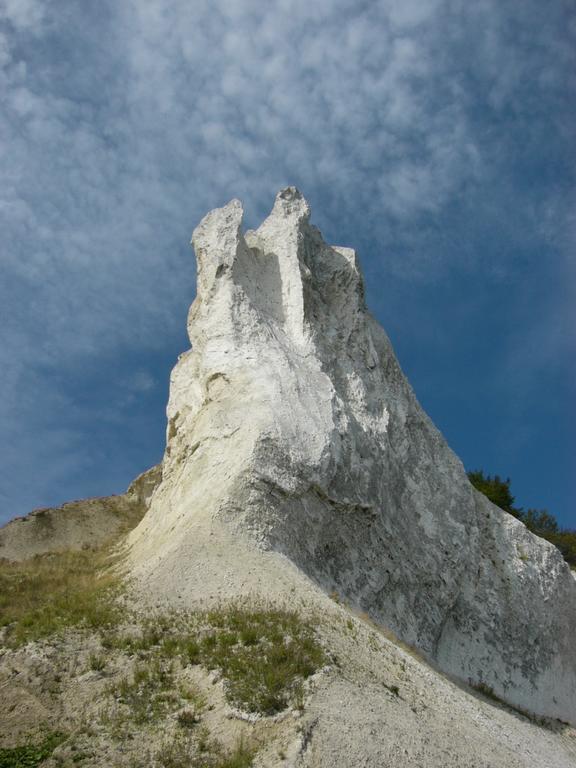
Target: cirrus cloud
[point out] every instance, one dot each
(431, 135)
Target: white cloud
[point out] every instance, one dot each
(119, 131)
(141, 381)
(23, 14)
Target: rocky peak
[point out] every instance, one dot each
(292, 428)
(281, 276)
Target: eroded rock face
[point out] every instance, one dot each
(291, 422)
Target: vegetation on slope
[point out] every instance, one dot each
(48, 593)
(539, 521)
(30, 755)
(263, 653)
(63, 609)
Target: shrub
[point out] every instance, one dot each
(496, 489)
(539, 521)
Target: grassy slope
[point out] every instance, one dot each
(262, 654)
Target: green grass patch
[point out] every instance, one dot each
(145, 696)
(97, 662)
(48, 593)
(30, 755)
(263, 654)
(201, 751)
(149, 692)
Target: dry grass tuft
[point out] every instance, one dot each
(48, 593)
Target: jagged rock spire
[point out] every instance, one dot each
(291, 427)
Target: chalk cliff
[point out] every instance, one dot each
(292, 428)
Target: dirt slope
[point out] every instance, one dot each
(78, 524)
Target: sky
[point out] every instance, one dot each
(436, 137)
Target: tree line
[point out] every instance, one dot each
(539, 521)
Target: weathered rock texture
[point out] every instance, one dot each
(78, 524)
(291, 422)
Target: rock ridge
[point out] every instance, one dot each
(78, 524)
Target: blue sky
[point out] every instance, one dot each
(436, 137)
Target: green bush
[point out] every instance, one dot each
(496, 489)
(539, 521)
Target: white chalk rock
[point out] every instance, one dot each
(291, 422)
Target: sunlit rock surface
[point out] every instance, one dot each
(291, 426)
